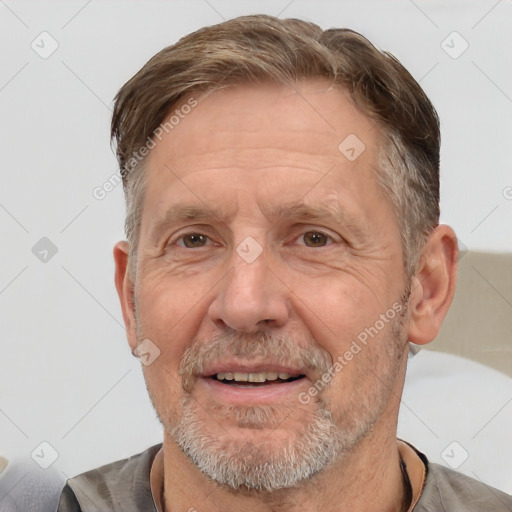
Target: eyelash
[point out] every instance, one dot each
(330, 239)
(192, 233)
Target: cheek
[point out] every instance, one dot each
(335, 311)
(349, 322)
(171, 320)
(165, 391)
(363, 377)
(170, 307)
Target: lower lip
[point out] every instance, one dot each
(262, 394)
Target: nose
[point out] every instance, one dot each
(250, 297)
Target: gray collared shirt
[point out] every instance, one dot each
(124, 486)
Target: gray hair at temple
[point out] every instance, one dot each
(261, 48)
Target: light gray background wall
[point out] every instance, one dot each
(67, 377)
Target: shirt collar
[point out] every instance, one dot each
(156, 480)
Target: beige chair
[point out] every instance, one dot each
(479, 323)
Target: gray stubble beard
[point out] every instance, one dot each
(264, 466)
(267, 466)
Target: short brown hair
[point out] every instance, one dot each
(260, 48)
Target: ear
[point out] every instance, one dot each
(125, 290)
(433, 285)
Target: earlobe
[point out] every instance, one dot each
(433, 286)
(125, 290)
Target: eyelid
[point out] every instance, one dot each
(202, 230)
(330, 238)
(302, 229)
(192, 233)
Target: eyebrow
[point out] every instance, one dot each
(291, 211)
(302, 211)
(186, 212)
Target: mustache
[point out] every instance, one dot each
(288, 350)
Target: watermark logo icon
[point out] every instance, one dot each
(44, 45)
(351, 147)
(454, 45)
(454, 455)
(249, 249)
(44, 250)
(44, 455)
(147, 352)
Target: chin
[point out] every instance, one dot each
(260, 449)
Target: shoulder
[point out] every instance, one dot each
(119, 486)
(447, 490)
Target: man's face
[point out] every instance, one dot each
(265, 254)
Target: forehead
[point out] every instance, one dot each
(274, 141)
(312, 117)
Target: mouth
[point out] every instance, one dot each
(244, 384)
(255, 379)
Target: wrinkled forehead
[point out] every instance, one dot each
(266, 124)
(253, 136)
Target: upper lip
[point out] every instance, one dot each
(250, 367)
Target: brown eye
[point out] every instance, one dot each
(193, 240)
(315, 239)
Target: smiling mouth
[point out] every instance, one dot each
(251, 380)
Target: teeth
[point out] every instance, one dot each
(253, 377)
(257, 377)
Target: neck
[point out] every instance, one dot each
(370, 478)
